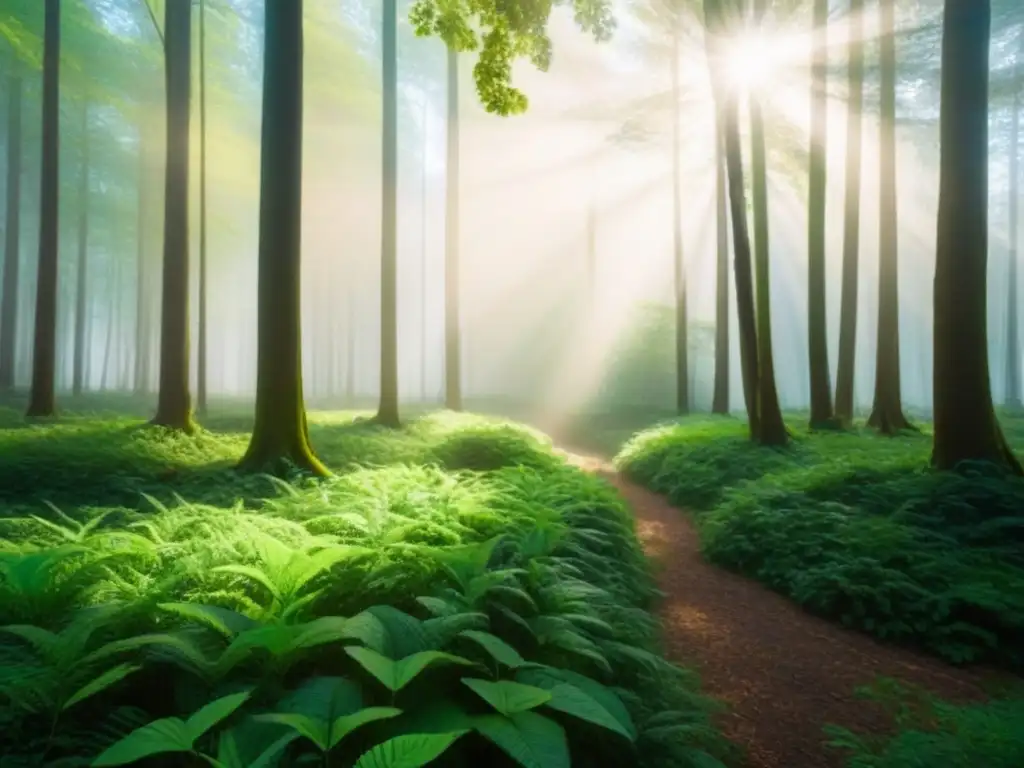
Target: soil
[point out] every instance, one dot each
(781, 673)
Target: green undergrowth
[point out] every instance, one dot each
(933, 733)
(454, 595)
(856, 527)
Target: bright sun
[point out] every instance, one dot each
(751, 63)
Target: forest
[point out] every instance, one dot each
(534, 384)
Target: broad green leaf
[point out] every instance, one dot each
(532, 740)
(208, 716)
(498, 649)
(395, 675)
(167, 735)
(251, 745)
(223, 620)
(508, 697)
(323, 698)
(101, 683)
(313, 729)
(549, 679)
(410, 751)
(345, 724)
(367, 629)
(571, 700)
(253, 573)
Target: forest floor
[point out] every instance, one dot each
(782, 673)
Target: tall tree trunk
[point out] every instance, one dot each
(682, 346)
(851, 219)
(720, 400)
(201, 367)
(423, 263)
(280, 433)
(142, 311)
(174, 407)
(773, 428)
(78, 373)
(887, 411)
(1013, 388)
(12, 236)
(44, 348)
(108, 344)
(965, 422)
(817, 319)
(452, 340)
(387, 411)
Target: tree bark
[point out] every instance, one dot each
(12, 236)
(201, 362)
(280, 433)
(452, 336)
(42, 402)
(887, 411)
(966, 428)
(81, 288)
(142, 309)
(1013, 387)
(423, 261)
(682, 344)
(174, 407)
(387, 410)
(851, 219)
(817, 318)
(720, 400)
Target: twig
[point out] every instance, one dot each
(156, 24)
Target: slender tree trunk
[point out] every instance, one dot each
(78, 373)
(44, 348)
(452, 340)
(142, 311)
(108, 344)
(1013, 388)
(965, 422)
(720, 400)
(201, 367)
(280, 433)
(12, 236)
(174, 407)
(817, 319)
(773, 428)
(423, 263)
(887, 411)
(387, 411)
(851, 219)
(682, 346)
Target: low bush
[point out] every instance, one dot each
(855, 527)
(455, 595)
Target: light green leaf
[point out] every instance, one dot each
(253, 573)
(508, 697)
(101, 683)
(167, 735)
(532, 740)
(410, 751)
(345, 724)
(251, 745)
(498, 649)
(223, 620)
(395, 675)
(208, 716)
(312, 728)
(571, 700)
(549, 679)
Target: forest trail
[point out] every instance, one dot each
(782, 673)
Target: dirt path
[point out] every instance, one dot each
(782, 673)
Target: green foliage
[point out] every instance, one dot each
(856, 527)
(504, 32)
(455, 593)
(935, 733)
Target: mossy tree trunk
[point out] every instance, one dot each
(280, 433)
(1013, 388)
(452, 328)
(387, 410)
(682, 344)
(12, 235)
(851, 219)
(817, 318)
(42, 401)
(887, 411)
(142, 307)
(773, 428)
(174, 406)
(81, 279)
(202, 352)
(720, 399)
(965, 422)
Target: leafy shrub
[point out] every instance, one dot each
(855, 527)
(395, 613)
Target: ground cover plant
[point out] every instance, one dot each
(455, 594)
